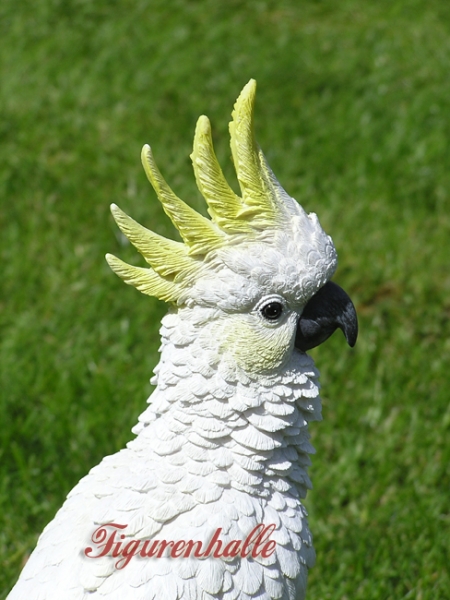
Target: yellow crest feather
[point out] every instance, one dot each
(199, 234)
(146, 281)
(256, 192)
(224, 206)
(262, 206)
(167, 257)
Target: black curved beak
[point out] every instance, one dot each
(327, 310)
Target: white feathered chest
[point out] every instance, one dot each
(211, 453)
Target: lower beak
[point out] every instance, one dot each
(327, 310)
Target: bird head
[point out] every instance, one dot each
(256, 275)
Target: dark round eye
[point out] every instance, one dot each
(272, 310)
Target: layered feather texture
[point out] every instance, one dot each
(213, 450)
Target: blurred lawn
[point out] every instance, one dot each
(353, 113)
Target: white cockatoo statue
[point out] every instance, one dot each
(206, 501)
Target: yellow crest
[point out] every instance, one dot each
(261, 207)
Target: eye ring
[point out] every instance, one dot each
(272, 311)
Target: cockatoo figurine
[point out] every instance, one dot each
(206, 501)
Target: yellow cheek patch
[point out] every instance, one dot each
(257, 348)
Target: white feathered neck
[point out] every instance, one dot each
(254, 430)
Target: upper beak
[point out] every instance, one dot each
(327, 310)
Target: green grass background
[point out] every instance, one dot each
(353, 113)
